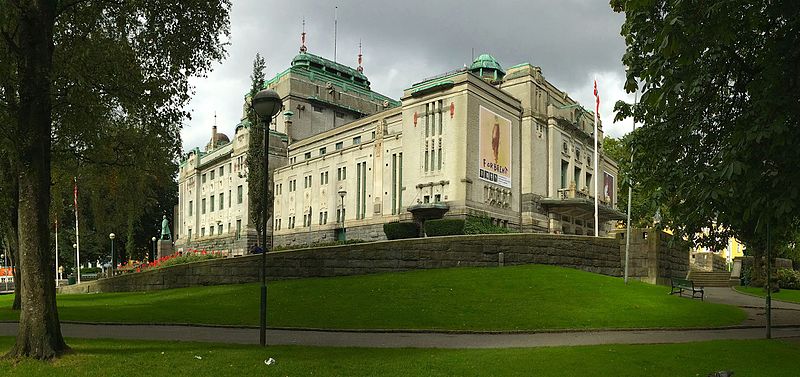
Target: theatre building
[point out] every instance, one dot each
(479, 141)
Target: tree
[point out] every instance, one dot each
(70, 70)
(642, 210)
(720, 114)
(255, 153)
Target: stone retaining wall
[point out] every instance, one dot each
(651, 261)
(598, 255)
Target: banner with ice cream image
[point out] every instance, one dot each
(494, 152)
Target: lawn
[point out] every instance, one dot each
(136, 358)
(531, 297)
(790, 295)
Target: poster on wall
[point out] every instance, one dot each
(608, 187)
(494, 152)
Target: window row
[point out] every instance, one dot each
(219, 205)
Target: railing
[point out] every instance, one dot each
(572, 193)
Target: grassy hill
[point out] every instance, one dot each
(532, 297)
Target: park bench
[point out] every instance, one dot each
(679, 285)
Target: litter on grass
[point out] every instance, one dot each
(269, 361)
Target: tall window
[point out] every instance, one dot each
(239, 194)
(564, 168)
(238, 229)
(191, 207)
(577, 178)
(221, 201)
(203, 208)
(361, 190)
(212, 203)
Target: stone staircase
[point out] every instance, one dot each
(710, 279)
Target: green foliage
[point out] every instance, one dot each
(398, 230)
(255, 152)
(483, 225)
(444, 227)
(720, 119)
(788, 278)
(642, 210)
(317, 244)
(188, 258)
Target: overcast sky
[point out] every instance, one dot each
(406, 41)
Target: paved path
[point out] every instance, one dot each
(401, 339)
(783, 313)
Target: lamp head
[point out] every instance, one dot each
(342, 193)
(112, 236)
(266, 103)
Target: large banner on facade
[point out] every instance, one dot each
(608, 187)
(494, 151)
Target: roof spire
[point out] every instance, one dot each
(303, 37)
(360, 68)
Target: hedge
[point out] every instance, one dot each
(444, 227)
(482, 225)
(396, 231)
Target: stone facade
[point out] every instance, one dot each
(707, 261)
(652, 257)
(599, 255)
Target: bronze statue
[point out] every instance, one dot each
(165, 233)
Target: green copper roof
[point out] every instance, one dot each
(315, 62)
(486, 61)
(316, 68)
(487, 67)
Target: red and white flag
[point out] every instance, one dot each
(597, 100)
(75, 192)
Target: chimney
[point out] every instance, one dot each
(213, 137)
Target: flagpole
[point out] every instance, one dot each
(596, 170)
(77, 234)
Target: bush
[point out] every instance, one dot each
(444, 227)
(788, 278)
(316, 244)
(482, 225)
(396, 231)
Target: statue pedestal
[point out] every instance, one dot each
(164, 248)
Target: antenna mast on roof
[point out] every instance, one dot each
(335, 10)
(303, 37)
(360, 68)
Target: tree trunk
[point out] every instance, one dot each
(39, 334)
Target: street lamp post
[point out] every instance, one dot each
(113, 259)
(265, 104)
(342, 193)
(154, 248)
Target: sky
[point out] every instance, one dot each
(404, 42)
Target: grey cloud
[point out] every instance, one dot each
(406, 41)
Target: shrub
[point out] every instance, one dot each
(482, 225)
(316, 244)
(444, 227)
(788, 278)
(397, 230)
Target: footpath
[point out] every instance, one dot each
(786, 318)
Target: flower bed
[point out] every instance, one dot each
(190, 256)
